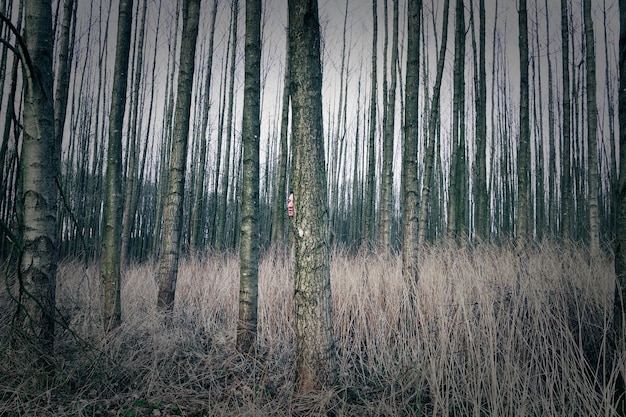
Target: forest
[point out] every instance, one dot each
(345, 207)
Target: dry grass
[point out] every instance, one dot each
(485, 332)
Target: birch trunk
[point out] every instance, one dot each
(173, 210)
(35, 315)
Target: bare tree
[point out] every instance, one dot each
(457, 191)
(250, 131)
(523, 158)
(410, 217)
(370, 184)
(223, 199)
(111, 308)
(386, 203)
(199, 206)
(132, 172)
(433, 122)
(481, 203)
(35, 314)
(173, 210)
(278, 224)
(65, 56)
(315, 356)
(567, 208)
(592, 128)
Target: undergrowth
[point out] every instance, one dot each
(486, 331)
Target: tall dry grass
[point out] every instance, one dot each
(486, 331)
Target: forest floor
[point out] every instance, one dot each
(486, 331)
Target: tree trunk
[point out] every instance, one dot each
(223, 199)
(166, 132)
(35, 313)
(567, 209)
(552, 173)
(315, 355)
(523, 158)
(370, 185)
(198, 232)
(356, 202)
(592, 128)
(386, 203)
(111, 309)
(173, 210)
(620, 218)
(433, 121)
(482, 217)
(250, 132)
(133, 131)
(457, 195)
(278, 224)
(65, 55)
(410, 219)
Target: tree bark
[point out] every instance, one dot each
(315, 355)
(65, 56)
(35, 315)
(131, 165)
(111, 309)
(482, 218)
(523, 158)
(173, 210)
(410, 218)
(386, 203)
(370, 184)
(552, 172)
(250, 132)
(592, 128)
(567, 209)
(457, 194)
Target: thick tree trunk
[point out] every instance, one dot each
(410, 218)
(250, 132)
(111, 309)
(173, 210)
(315, 355)
(35, 313)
